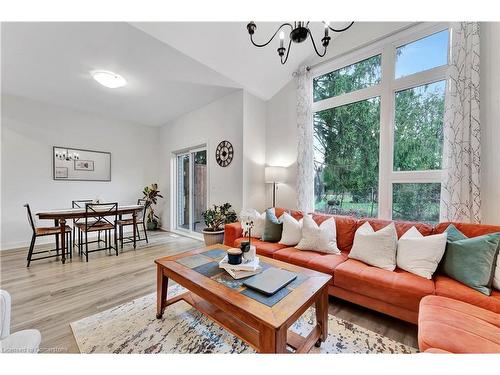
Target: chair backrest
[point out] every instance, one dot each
(144, 203)
(79, 203)
(31, 220)
(102, 213)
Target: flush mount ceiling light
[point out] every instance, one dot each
(108, 79)
(299, 32)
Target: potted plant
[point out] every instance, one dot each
(151, 195)
(215, 219)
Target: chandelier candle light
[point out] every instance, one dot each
(299, 32)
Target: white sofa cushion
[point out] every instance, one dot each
(420, 254)
(322, 238)
(375, 248)
(292, 230)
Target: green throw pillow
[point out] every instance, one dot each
(272, 227)
(471, 260)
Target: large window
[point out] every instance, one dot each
(378, 128)
(346, 149)
(356, 76)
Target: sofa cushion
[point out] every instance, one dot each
(401, 226)
(345, 227)
(318, 237)
(420, 254)
(314, 260)
(397, 287)
(471, 261)
(474, 230)
(263, 248)
(273, 227)
(376, 248)
(447, 287)
(457, 327)
(292, 230)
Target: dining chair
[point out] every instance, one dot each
(140, 220)
(46, 231)
(79, 203)
(99, 217)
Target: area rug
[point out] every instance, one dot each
(133, 328)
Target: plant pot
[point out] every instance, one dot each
(212, 238)
(152, 225)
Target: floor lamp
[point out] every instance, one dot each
(274, 175)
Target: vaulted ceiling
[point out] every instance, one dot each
(171, 67)
(50, 62)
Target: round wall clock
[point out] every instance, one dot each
(224, 153)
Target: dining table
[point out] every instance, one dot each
(61, 215)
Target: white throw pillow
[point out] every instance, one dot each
(258, 219)
(292, 230)
(375, 248)
(322, 238)
(496, 278)
(420, 254)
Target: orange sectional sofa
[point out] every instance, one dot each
(398, 293)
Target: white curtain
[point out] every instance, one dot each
(460, 189)
(305, 167)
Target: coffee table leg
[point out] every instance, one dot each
(161, 291)
(272, 340)
(322, 315)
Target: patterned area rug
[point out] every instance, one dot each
(133, 328)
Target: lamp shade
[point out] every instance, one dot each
(275, 174)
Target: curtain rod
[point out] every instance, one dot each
(309, 67)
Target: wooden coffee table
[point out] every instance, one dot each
(263, 322)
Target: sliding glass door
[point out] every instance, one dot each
(191, 189)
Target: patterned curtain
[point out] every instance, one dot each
(460, 189)
(305, 166)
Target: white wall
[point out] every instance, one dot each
(490, 121)
(281, 144)
(30, 129)
(211, 124)
(254, 152)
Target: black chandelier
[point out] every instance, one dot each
(299, 32)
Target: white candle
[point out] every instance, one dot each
(282, 38)
(327, 24)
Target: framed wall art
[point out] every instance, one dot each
(74, 164)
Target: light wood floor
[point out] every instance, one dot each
(49, 296)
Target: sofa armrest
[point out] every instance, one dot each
(231, 233)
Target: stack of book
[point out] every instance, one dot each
(242, 270)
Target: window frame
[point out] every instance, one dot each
(386, 90)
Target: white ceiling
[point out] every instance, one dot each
(226, 48)
(171, 67)
(50, 62)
